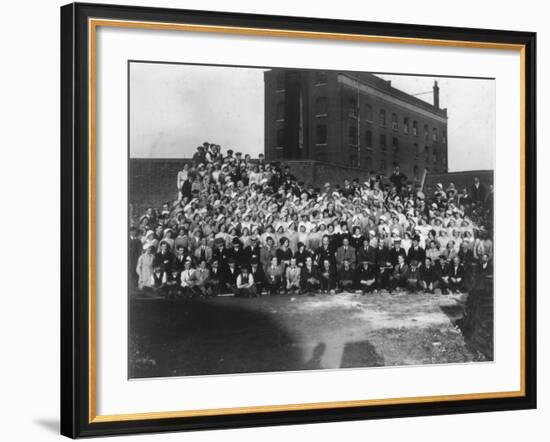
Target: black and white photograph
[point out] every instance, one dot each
(286, 219)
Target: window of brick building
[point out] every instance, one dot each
(434, 155)
(426, 132)
(321, 134)
(444, 138)
(427, 153)
(368, 139)
(434, 134)
(382, 142)
(416, 152)
(368, 112)
(383, 166)
(395, 145)
(321, 106)
(406, 125)
(415, 173)
(394, 123)
(415, 128)
(382, 117)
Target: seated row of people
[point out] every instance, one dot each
(277, 277)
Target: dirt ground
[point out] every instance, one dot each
(284, 332)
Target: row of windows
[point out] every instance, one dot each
(321, 109)
(321, 138)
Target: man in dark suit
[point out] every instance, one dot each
(345, 251)
(179, 259)
(216, 279)
(366, 253)
(164, 258)
(252, 252)
(456, 276)
(237, 253)
(398, 178)
(258, 275)
(398, 279)
(309, 276)
(478, 192)
(274, 276)
(346, 276)
(220, 254)
(396, 251)
(324, 252)
(428, 276)
(231, 275)
(416, 253)
(366, 277)
(443, 273)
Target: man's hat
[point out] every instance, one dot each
(414, 263)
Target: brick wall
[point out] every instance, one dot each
(152, 181)
(318, 172)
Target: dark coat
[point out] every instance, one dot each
(457, 272)
(163, 260)
(394, 253)
(367, 274)
(306, 273)
(428, 275)
(369, 254)
(322, 254)
(478, 194)
(419, 255)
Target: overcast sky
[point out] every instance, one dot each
(174, 108)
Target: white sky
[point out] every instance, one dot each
(174, 108)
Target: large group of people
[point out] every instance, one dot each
(248, 227)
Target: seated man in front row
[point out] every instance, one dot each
(202, 275)
(428, 276)
(292, 276)
(398, 279)
(309, 276)
(456, 276)
(258, 275)
(245, 283)
(366, 277)
(346, 276)
(273, 276)
(214, 282)
(413, 276)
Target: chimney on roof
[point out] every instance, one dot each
(436, 94)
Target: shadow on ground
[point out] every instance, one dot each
(201, 337)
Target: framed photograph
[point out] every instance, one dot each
(278, 220)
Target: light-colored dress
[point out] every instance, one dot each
(144, 269)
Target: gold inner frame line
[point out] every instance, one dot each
(93, 24)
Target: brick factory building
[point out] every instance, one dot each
(353, 119)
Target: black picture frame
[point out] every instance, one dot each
(75, 220)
